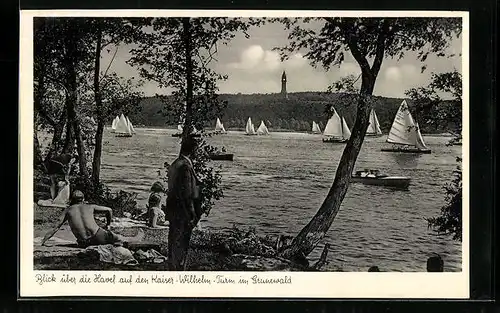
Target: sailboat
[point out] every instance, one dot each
(315, 128)
(219, 127)
(123, 128)
(336, 130)
(180, 128)
(262, 130)
(113, 124)
(374, 126)
(249, 128)
(132, 129)
(405, 134)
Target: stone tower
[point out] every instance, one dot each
(283, 85)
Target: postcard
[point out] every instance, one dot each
(229, 154)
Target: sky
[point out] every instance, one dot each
(253, 67)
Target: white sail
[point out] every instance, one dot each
(113, 124)
(249, 128)
(219, 127)
(132, 130)
(333, 127)
(315, 128)
(404, 130)
(346, 133)
(122, 126)
(262, 130)
(374, 126)
(420, 140)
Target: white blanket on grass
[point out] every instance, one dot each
(112, 254)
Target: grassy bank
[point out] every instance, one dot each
(228, 250)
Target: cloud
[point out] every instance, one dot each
(392, 73)
(348, 68)
(296, 61)
(255, 58)
(253, 67)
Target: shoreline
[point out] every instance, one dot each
(210, 249)
(279, 130)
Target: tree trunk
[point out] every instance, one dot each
(69, 141)
(305, 242)
(55, 145)
(58, 125)
(186, 25)
(37, 157)
(71, 98)
(96, 162)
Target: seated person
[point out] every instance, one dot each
(80, 217)
(58, 168)
(155, 214)
(371, 174)
(62, 198)
(435, 264)
(63, 194)
(158, 188)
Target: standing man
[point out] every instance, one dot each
(183, 192)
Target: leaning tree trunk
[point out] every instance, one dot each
(186, 25)
(307, 239)
(96, 162)
(305, 242)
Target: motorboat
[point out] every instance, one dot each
(373, 177)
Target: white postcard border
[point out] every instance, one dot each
(303, 285)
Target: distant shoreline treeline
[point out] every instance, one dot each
(295, 113)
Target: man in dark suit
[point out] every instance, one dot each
(182, 197)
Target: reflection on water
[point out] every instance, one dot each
(405, 160)
(277, 183)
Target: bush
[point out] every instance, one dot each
(209, 176)
(450, 220)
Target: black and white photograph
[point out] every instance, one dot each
(254, 143)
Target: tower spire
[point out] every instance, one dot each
(283, 85)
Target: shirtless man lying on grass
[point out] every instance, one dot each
(80, 217)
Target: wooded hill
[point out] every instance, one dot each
(295, 113)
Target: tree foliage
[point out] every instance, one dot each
(176, 53)
(70, 87)
(304, 107)
(449, 222)
(431, 108)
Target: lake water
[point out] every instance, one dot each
(277, 183)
